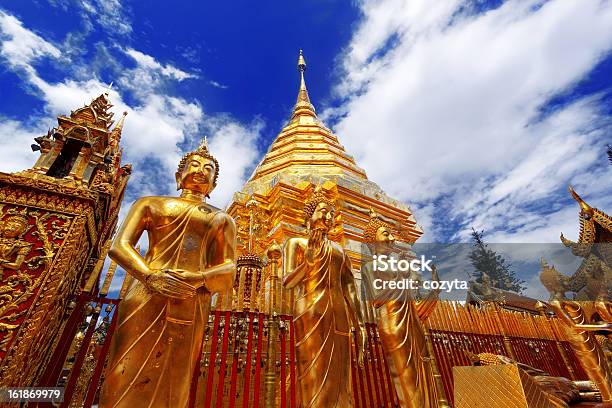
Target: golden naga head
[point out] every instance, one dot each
(14, 226)
(319, 211)
(378, 231)
(198, 170)
(553, 280)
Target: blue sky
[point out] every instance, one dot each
(474, 113)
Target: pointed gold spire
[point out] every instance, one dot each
(303, 105)
(116, 133)
(303, 93)
(305, 139)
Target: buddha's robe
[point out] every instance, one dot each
(158, 340)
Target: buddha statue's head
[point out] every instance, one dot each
(198, 171)
(13, 227)
(379, 233)
(319, 212)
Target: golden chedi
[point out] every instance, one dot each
(401, 332)
(326, 307)
(161, 323)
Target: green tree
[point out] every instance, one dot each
(485, 260)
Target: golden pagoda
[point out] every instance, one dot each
(306, 154)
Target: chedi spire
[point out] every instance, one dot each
(303, 105)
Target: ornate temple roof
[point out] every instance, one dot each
(595, 225)
(593, 278)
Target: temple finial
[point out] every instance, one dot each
(301, 62)
(116, 133)
(303, 95)
(108, 88)
(303, 104)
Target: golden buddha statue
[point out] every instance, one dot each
(401, 332)
(158, 341)
(13, 249)
(326, 308)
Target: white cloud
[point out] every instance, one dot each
(234, 146)
(20, 46)
(109, 14)
(15, 140)
(453, 107)
(156, 125)
(218, 85)
(148, 64)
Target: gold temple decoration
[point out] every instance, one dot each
(498, 386)
(161, 323)
(273, 289)
(559, 392)
(585, 345)
(13, 249)
(592, 284)
(55, 220)
(251, 227)
(593, 279)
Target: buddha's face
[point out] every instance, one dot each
(12, 228)
(383, 235)
(384, 239)
(197, 175)
(323, 217)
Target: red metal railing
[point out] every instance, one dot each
(235, 351)
(86, 337)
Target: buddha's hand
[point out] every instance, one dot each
(165, 284)
(195, 279)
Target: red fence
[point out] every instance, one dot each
(80, 356)
(248, 358)
(248, 353)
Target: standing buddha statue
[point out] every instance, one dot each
(400, 328)
(158, 341)
(326, 308)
